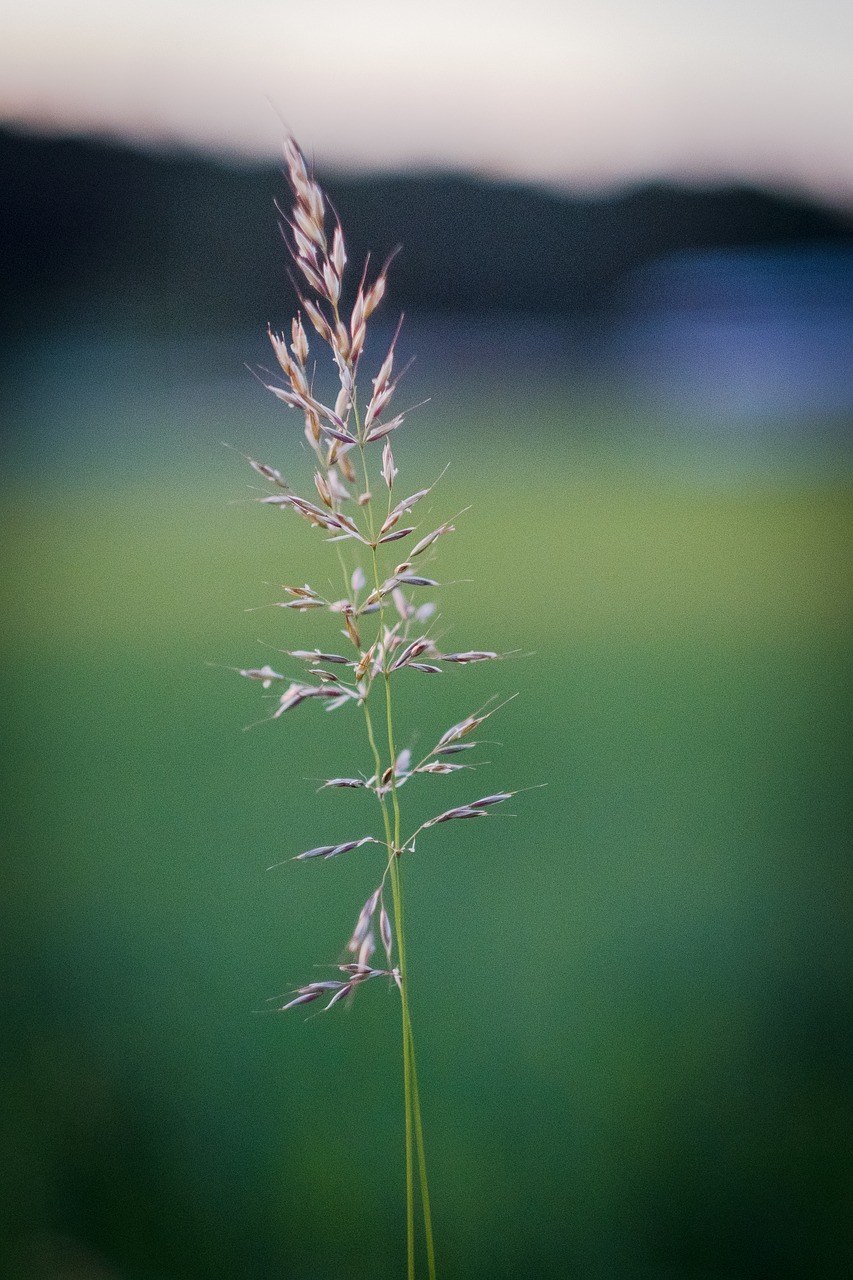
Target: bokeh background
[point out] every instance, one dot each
(627, 274)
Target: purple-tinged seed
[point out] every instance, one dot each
(389, 471)
(439, 766)
(303, 999)
(472, 655)
(463, 811)
(413, 650)
(408, 503)
(265, 674)
(350, 844)
(396, 535)
(384, 428)
(316, 655)
(269, 473)
(367, 948)
(340, 995)
(322, 851)
(459, 730)
(385, 931)
(430, 539)
(497, 798)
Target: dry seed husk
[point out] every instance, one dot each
(303, 999)
(269, 473)
(389, 470)
(367, 947)
(408, 503)
(411, 651)
(275, 500)
(385, 931)
(363, 923)
(430, 539)
(265, 674)
(292, 697)
(320, 852)
(383, 429)
(440, 766)
(460, 730)
(301, 606)
(471, 655)
(316, 655)
(340, 995)
(332, 850)
(461, 811)
(497, 798)
(396, 535)
(338, 490)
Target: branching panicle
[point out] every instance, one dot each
(382, 624)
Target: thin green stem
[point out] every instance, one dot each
(392, 839)
(416, 1104)
(374, 659)
(407, 1066)
(397, 890)
(422, 1172)
(413, 1120)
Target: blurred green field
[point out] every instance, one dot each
(630, 993)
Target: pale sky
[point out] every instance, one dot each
(578, 93)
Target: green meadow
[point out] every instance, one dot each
(628, 984)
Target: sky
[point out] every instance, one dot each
(573, 93)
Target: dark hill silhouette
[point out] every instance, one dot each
(135, 237)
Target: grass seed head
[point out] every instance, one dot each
(340, 435)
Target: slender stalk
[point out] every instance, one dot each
(397, 890)
(422, 1172)
(407, 1067)
(416, 1108)
(334, 435)
(393, 842)
(394, 872)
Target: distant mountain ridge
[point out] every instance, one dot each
(183, 240)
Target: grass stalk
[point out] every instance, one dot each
(400, 640)
(410, 1069)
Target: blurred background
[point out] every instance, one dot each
(627, 278)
